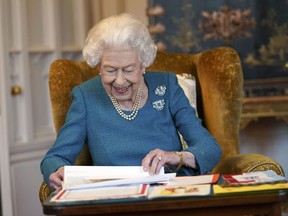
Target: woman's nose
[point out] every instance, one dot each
(120, 77)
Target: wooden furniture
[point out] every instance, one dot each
(266, 203)
(265, 98)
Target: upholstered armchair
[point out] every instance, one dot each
(219, 82)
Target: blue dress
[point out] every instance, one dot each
(114, 141)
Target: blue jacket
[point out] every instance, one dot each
(114, 141)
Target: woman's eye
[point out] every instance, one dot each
(128, 70)
(111, 71)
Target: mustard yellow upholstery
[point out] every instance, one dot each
(219, 81)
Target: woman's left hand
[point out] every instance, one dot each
(156, 159)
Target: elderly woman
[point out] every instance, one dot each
(127, 116)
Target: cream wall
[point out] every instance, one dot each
(267, 136)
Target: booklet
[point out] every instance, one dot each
(222, 190)
(116, 192)
(193, 180)
(177, 191)
(252, 178)
(82, 183)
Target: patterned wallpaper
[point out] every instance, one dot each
(257, 29)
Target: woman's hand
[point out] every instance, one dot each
(157, 158)
(56, 179)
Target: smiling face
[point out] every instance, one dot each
(121, 74)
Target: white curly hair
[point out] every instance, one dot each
(120, 30)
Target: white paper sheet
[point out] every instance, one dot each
(83, 177)
(163, 178)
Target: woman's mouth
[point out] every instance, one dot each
(121, 90)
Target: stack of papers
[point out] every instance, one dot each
(82, 183)
(252, 178)
(251, 182)
(84, 177)
(85, 183)
(218, 189)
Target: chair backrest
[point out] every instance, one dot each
(219, 82)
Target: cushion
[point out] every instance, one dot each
(188, 84)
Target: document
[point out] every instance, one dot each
(84, 183)
(101, 193)
(177, 191)
(252, 178)
(77, 175)
(87, 177)
(218, 189)
(194, 180)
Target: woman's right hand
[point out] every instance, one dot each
(56, 179)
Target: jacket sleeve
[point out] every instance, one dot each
(200, 142)
(70, 139)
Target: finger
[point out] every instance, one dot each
(55, 181)
(146, 162)
(57, 188)
(159, 157)
(60, 173)
(53, 185)
(160, 164)
(59, 176)
(156, 165)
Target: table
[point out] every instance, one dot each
(263, 203)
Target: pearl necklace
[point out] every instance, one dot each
(135, 107)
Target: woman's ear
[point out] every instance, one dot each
(143, 70)
(99, 68)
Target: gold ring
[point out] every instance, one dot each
(159, 157)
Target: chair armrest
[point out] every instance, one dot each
(244, 163)
(44, 192)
